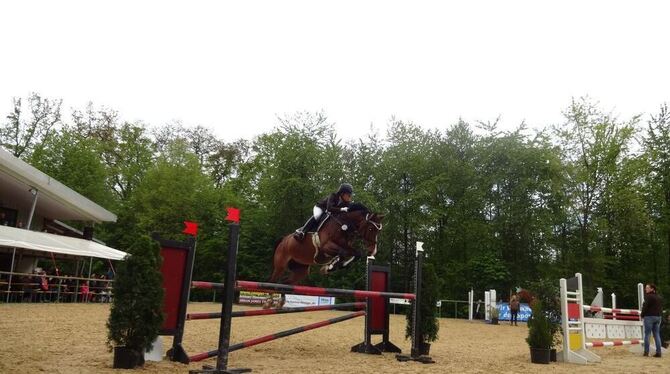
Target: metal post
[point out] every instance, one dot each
(32, 209)
(417, 333)
(368, 283)
(227, 302)
(11, 271)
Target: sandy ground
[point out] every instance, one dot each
(70, 338)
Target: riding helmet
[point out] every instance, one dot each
(345, 188)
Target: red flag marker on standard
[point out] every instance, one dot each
(233, 215)
(191, 228)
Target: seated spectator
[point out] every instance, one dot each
(43, 285)
(3, 219)
(84, 291)
(103, 290)
(110, 274)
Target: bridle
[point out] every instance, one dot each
(353, 229)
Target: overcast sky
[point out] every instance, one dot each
(235, 66)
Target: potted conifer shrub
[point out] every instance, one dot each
(547, 292)
(540, 339)
(427, 309)
(136, 313)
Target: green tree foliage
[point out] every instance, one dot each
(27, 125)
(74, 161)
(657, 145)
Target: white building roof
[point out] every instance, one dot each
(55, 200)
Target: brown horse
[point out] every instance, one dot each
(331, 244)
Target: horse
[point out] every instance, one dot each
(331, 246)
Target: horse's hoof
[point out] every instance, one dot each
(267, 304)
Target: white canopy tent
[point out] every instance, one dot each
(41, 241)
(31, 197)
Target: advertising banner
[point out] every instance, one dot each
(254, 298)
(294, 301)
(505, 315)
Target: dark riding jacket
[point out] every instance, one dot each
(652, 306)
(332, 203)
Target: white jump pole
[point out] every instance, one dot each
(471, 299)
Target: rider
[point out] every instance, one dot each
(336, 202)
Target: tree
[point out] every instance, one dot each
(593, 145)
(657, 150)
(23, 131)
(74, 161)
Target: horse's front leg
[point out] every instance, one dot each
(337, 252)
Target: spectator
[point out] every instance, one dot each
(652, 310)
(110, 274)
(43, 282)
(514, 307)
(84, 291)
(102, 286)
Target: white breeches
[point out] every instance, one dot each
(317, 212)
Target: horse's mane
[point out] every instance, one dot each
(355, 207)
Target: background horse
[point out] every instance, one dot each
(333, 242)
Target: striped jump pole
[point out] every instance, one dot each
(613, 343)
(313, 291)
(282, 334)
(610, 310)
(263, 312)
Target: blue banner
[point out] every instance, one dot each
(505, 315)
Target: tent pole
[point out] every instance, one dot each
(11, 272)
(32, 210)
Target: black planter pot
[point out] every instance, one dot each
(540, 355)
(126, 358)
(424, 349)
(552, 355)
(494, 321)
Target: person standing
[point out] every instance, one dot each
(514, 307)
(652, 310)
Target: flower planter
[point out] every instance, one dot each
(126, 358)
(540, 355)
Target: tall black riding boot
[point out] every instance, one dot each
(309, 225)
